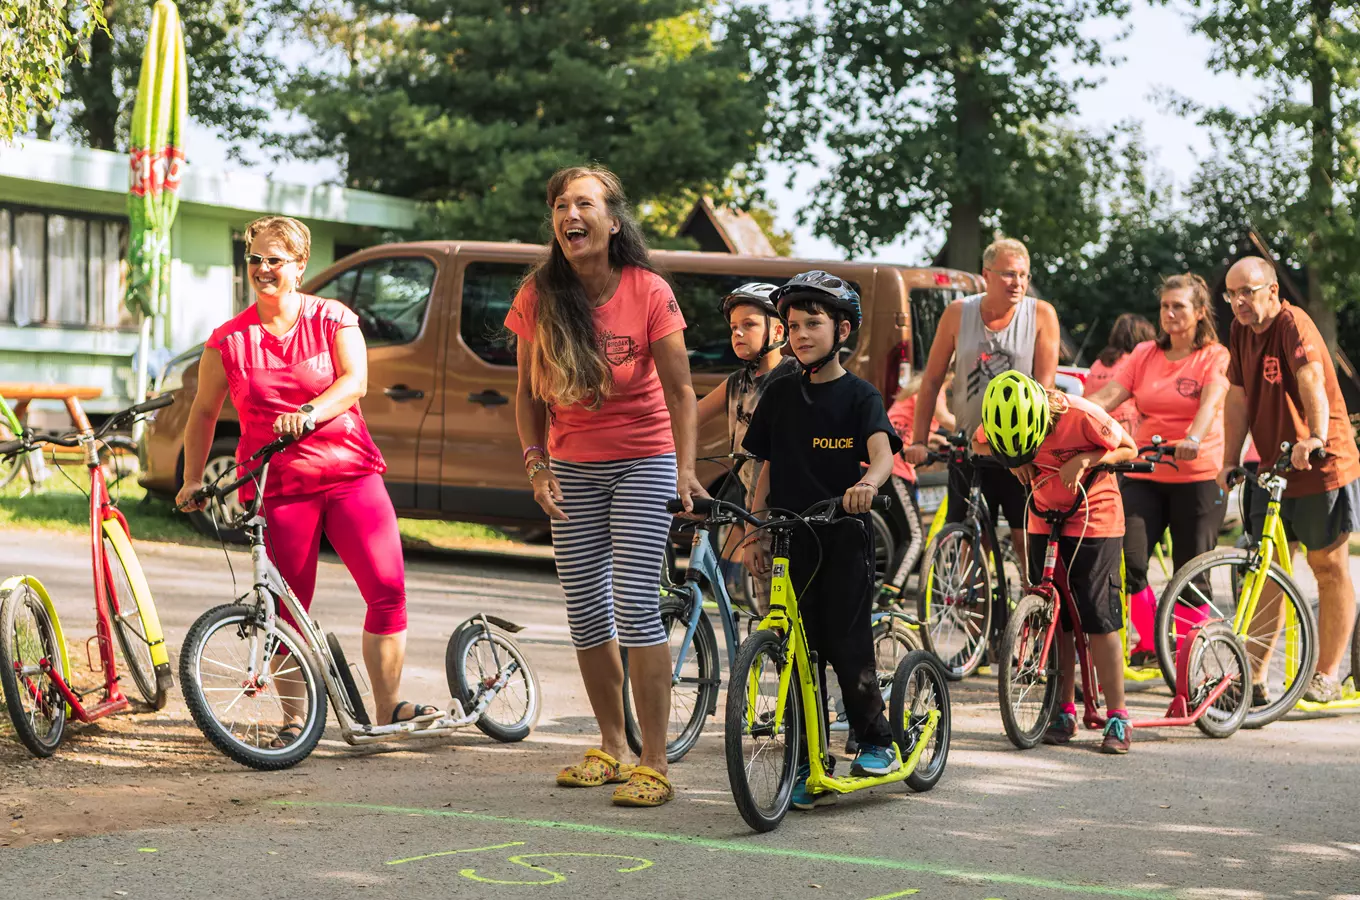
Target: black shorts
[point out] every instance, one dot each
(1093, 577)
(1318, 520)
(1003, 491)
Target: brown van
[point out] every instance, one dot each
(441, 376)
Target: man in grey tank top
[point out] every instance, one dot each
(999, 329)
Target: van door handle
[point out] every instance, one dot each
(401, 392)
(489, 398)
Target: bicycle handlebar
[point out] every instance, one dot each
(827, 510)
(262, 456)
(1283, 466)
(1059, 517)
(30, 440)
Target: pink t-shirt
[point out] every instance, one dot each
(1168, 395)
(269, 376)
(902, 416)
(1081, 426)
(1126, 413)
(633, 421)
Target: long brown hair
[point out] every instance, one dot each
(1205, 332)
(1129, 330)
(566, 365)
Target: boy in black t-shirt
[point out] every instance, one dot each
(815, 431)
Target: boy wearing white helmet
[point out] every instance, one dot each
(1049, 440)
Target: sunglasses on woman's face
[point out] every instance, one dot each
(273, 262)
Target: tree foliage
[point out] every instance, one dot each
(1306, 54)
(232, 62)
(38, 39)
(936, 115)
(471, 104)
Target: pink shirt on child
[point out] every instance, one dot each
(268, 376)
(633, 422)
(902, 415)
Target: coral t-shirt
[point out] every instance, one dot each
(901, 414)
(1126, 413)
(1082, 426)
(1265, 366)
(268, 376)
(632, 422)
(1168, 397)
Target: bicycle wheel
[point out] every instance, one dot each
(1028, 684)
(240, 709)
(474, 661)
(1218, 656)
(9, 465)
(694, 697)
(28, 636)
(762, 755)
(126, 615)
(894, 639)
(955, 600)
(1283, 653)
(919, 687)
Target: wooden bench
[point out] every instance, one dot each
(20, 395)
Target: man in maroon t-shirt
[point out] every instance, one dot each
(1283, 386)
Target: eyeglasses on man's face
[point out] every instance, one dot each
(1242, 295)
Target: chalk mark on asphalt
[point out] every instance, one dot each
(733, 846)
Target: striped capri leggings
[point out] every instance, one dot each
(610, 550)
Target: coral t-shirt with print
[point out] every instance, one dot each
(1168, 396)
(632, 422)
(902, 416)
(1082, 426)
(268, 376)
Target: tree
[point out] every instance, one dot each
(933, 114)
(1301, 48)
(37, 40)
(471, 104)
(232, 69)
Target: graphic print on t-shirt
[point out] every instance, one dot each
(1270, 368)
(1189, 387)
(619, 349)
(992, 360)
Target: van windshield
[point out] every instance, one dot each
(927, 305)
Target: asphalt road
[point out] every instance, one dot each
(141, 807)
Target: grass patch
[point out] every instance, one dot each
(64, 507)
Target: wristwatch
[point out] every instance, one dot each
(310, 412)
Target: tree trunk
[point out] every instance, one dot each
(1320, 171)
(966, 201)
(91, 85)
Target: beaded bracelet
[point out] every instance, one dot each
(535, 467)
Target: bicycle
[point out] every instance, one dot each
(966, 593)
(695, 676)
(1230, 583)
(34, 665)
(30, 463)
(1212, 688)
(768, 711)
(243, 653)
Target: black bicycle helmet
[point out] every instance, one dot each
(752, 293)
(823, 287)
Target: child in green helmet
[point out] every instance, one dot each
(1049, 440)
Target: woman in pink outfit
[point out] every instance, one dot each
(1129, 330)
(294, 363)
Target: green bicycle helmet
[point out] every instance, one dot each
(1015, 417)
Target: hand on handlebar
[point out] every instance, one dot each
(186, 501)
(1302, 453)
(1026, 474)
(1227, 477)
(916, 454)
(859, 499)
(1186, 451)
(1072, 471)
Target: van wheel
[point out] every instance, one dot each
(221, 459)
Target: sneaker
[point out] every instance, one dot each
(1260, 695)
(806, 799)
(1118, 735)
(1323, 689)
(1061, 730)
(874, 760)
(1142, 659)
(851, 745)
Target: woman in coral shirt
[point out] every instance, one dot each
(1129, 330)
(294, 363)
(1178, 382)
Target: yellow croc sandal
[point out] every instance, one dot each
(598, 768)
(646, 787)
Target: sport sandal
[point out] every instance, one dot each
(596, 769)
(645, 787)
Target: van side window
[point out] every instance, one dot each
(341, 287)
(927, 305)
(391, 299)
(488, 290)
(708, 338)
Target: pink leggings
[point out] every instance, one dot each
(358, 519)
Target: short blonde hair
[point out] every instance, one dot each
(1006, 246)
(296, 236)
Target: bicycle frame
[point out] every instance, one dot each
(785, 620)
(106, 520)
(1053, 586)
(703, 560)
